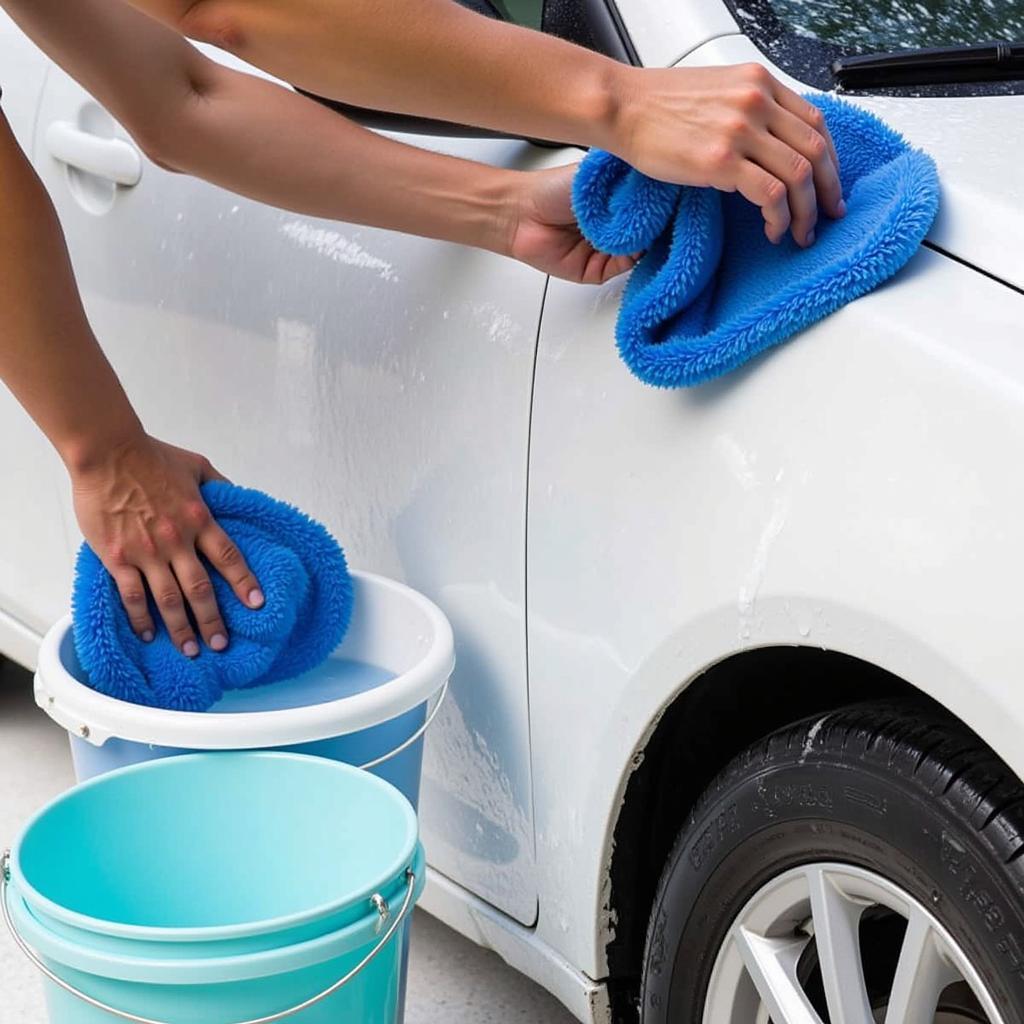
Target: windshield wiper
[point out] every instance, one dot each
(985, 62)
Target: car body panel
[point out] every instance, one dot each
(854, 489)
(664, 32)
(380, 382)
(854, 485)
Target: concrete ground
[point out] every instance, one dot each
(451, 981)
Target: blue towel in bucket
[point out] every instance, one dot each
(308, 602)
(711, 291)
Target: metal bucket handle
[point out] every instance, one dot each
(414, 737)
(378, 902)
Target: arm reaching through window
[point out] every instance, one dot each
(733, 128)
(265, 141)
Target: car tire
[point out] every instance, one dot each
(897, 792)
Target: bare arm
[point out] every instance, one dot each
(736, 128)
(49, 357)
(267, 142)
(137, 499)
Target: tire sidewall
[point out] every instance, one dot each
(805, 809)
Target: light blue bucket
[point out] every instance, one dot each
(219, 889)
(367, 705)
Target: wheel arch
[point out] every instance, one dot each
(722, 710)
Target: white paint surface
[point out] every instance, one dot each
(855, 489)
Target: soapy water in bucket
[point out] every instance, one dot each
(368, 704)
(336, 677)
(333, 679)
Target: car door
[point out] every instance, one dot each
(380, 382)
(35, 559)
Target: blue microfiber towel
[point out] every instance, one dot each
(711, 291)
(308, 602)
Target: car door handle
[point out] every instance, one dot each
(113, 159)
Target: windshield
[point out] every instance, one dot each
(804, 36)
(868, 25)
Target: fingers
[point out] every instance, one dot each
(802, 133)
(815, 147)
(600, 267)
(769, 193)
(171, 605)
(133, 597)
(198, 592)
(617, 265)
(796, 173)
(225, 557)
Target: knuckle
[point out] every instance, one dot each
(197, 513)
(200, 589)
(736, 128)
(753, 99)
(720, 156)
(168, 531)
(756, 73)
(169, 599)
(774, 192)
(229, 555)
(816, 146)
(801, 169)
(815, 118)
(133, 597)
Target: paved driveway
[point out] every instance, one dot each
(451, 980)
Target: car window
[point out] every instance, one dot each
(898, 24)
(804, 36)
(523, 12)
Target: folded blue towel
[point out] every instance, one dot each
(711, 291)
(308, 603)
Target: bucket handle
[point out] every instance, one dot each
(414, 737)
(378, 901)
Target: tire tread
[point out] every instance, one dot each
(932, 751)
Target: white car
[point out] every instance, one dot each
(736, 729)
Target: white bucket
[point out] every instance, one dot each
(367, 699)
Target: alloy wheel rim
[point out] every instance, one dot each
(831, 943)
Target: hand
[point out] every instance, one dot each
(545, 235)
(736, 129)
(141, 511)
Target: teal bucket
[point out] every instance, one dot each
(215, 889)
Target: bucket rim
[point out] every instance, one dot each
(213, 969)
(94, 717)
(213, 933)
